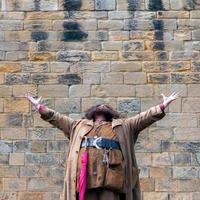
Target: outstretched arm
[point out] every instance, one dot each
(58, 120)
(148, 117)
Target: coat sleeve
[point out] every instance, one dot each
(58, 120)
(144, 119)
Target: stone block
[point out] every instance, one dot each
(119, 35)
(53, 90)
(31, 195)
(173, 14)
(111, 46)
(113, 90)
(105, 4)
(133, 45)
(111, 25)
(92, 46)
(126, 66)
(67, 105)
(13, 133)
(185, 172)
(97, 35)
(11, 25)
(156, 195)
(5, 91)
(160, 172)
(72, 56)
(182, 159)
(9, 67)
(14, 184)
(166, 184)
(158, 78)
(144, 90)
(129, 105)
(16, 105)
(119, 15)
(16, 159)
(162, 159)
(112, 78)
(41, 133)
(91, 78)
(56, 146)
(41, 56)
(136, 55)
(20, 90)
(97, 66)
(39, 25)
(181, 5)
(105, 55)
(135, 78)
(38, 146)
(79, 91)
(191, 105)
(193, 90)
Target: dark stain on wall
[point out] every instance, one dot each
(72, 30)
(39, 35)
(70, 5)
(133, 5)
(71, 25)
(190, 4)
(73, 36)
(157, 5)
(69, 79)
(37, 4)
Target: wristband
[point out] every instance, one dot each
(41, 108)
(162, 106)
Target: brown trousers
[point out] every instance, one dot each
(101, 194)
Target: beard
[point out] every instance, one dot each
(107, 111)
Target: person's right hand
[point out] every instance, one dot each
(37, 103)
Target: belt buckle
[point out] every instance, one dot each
(97, 139)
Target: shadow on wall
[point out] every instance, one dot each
(72, 30)
(37, 35)
(153, 5)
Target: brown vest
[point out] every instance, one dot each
(98, 174)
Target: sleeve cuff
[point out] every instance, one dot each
(162, 107)
(47, 116)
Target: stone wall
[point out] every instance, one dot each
(76, 53)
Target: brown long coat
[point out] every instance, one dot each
(127, 130)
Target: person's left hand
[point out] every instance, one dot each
(169, 99)
(36, 102)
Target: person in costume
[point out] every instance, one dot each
(101, 163)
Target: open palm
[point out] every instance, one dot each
(168, 99)
(36, 102)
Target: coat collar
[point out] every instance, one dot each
(115, 122)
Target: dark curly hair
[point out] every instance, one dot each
(108, 112)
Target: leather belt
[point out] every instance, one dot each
(100, 143)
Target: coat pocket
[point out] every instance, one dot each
(114, 179)
(115, 158)
(135, 175)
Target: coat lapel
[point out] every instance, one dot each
(116, 122)
(87, 127)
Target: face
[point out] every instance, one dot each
(100, 112)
